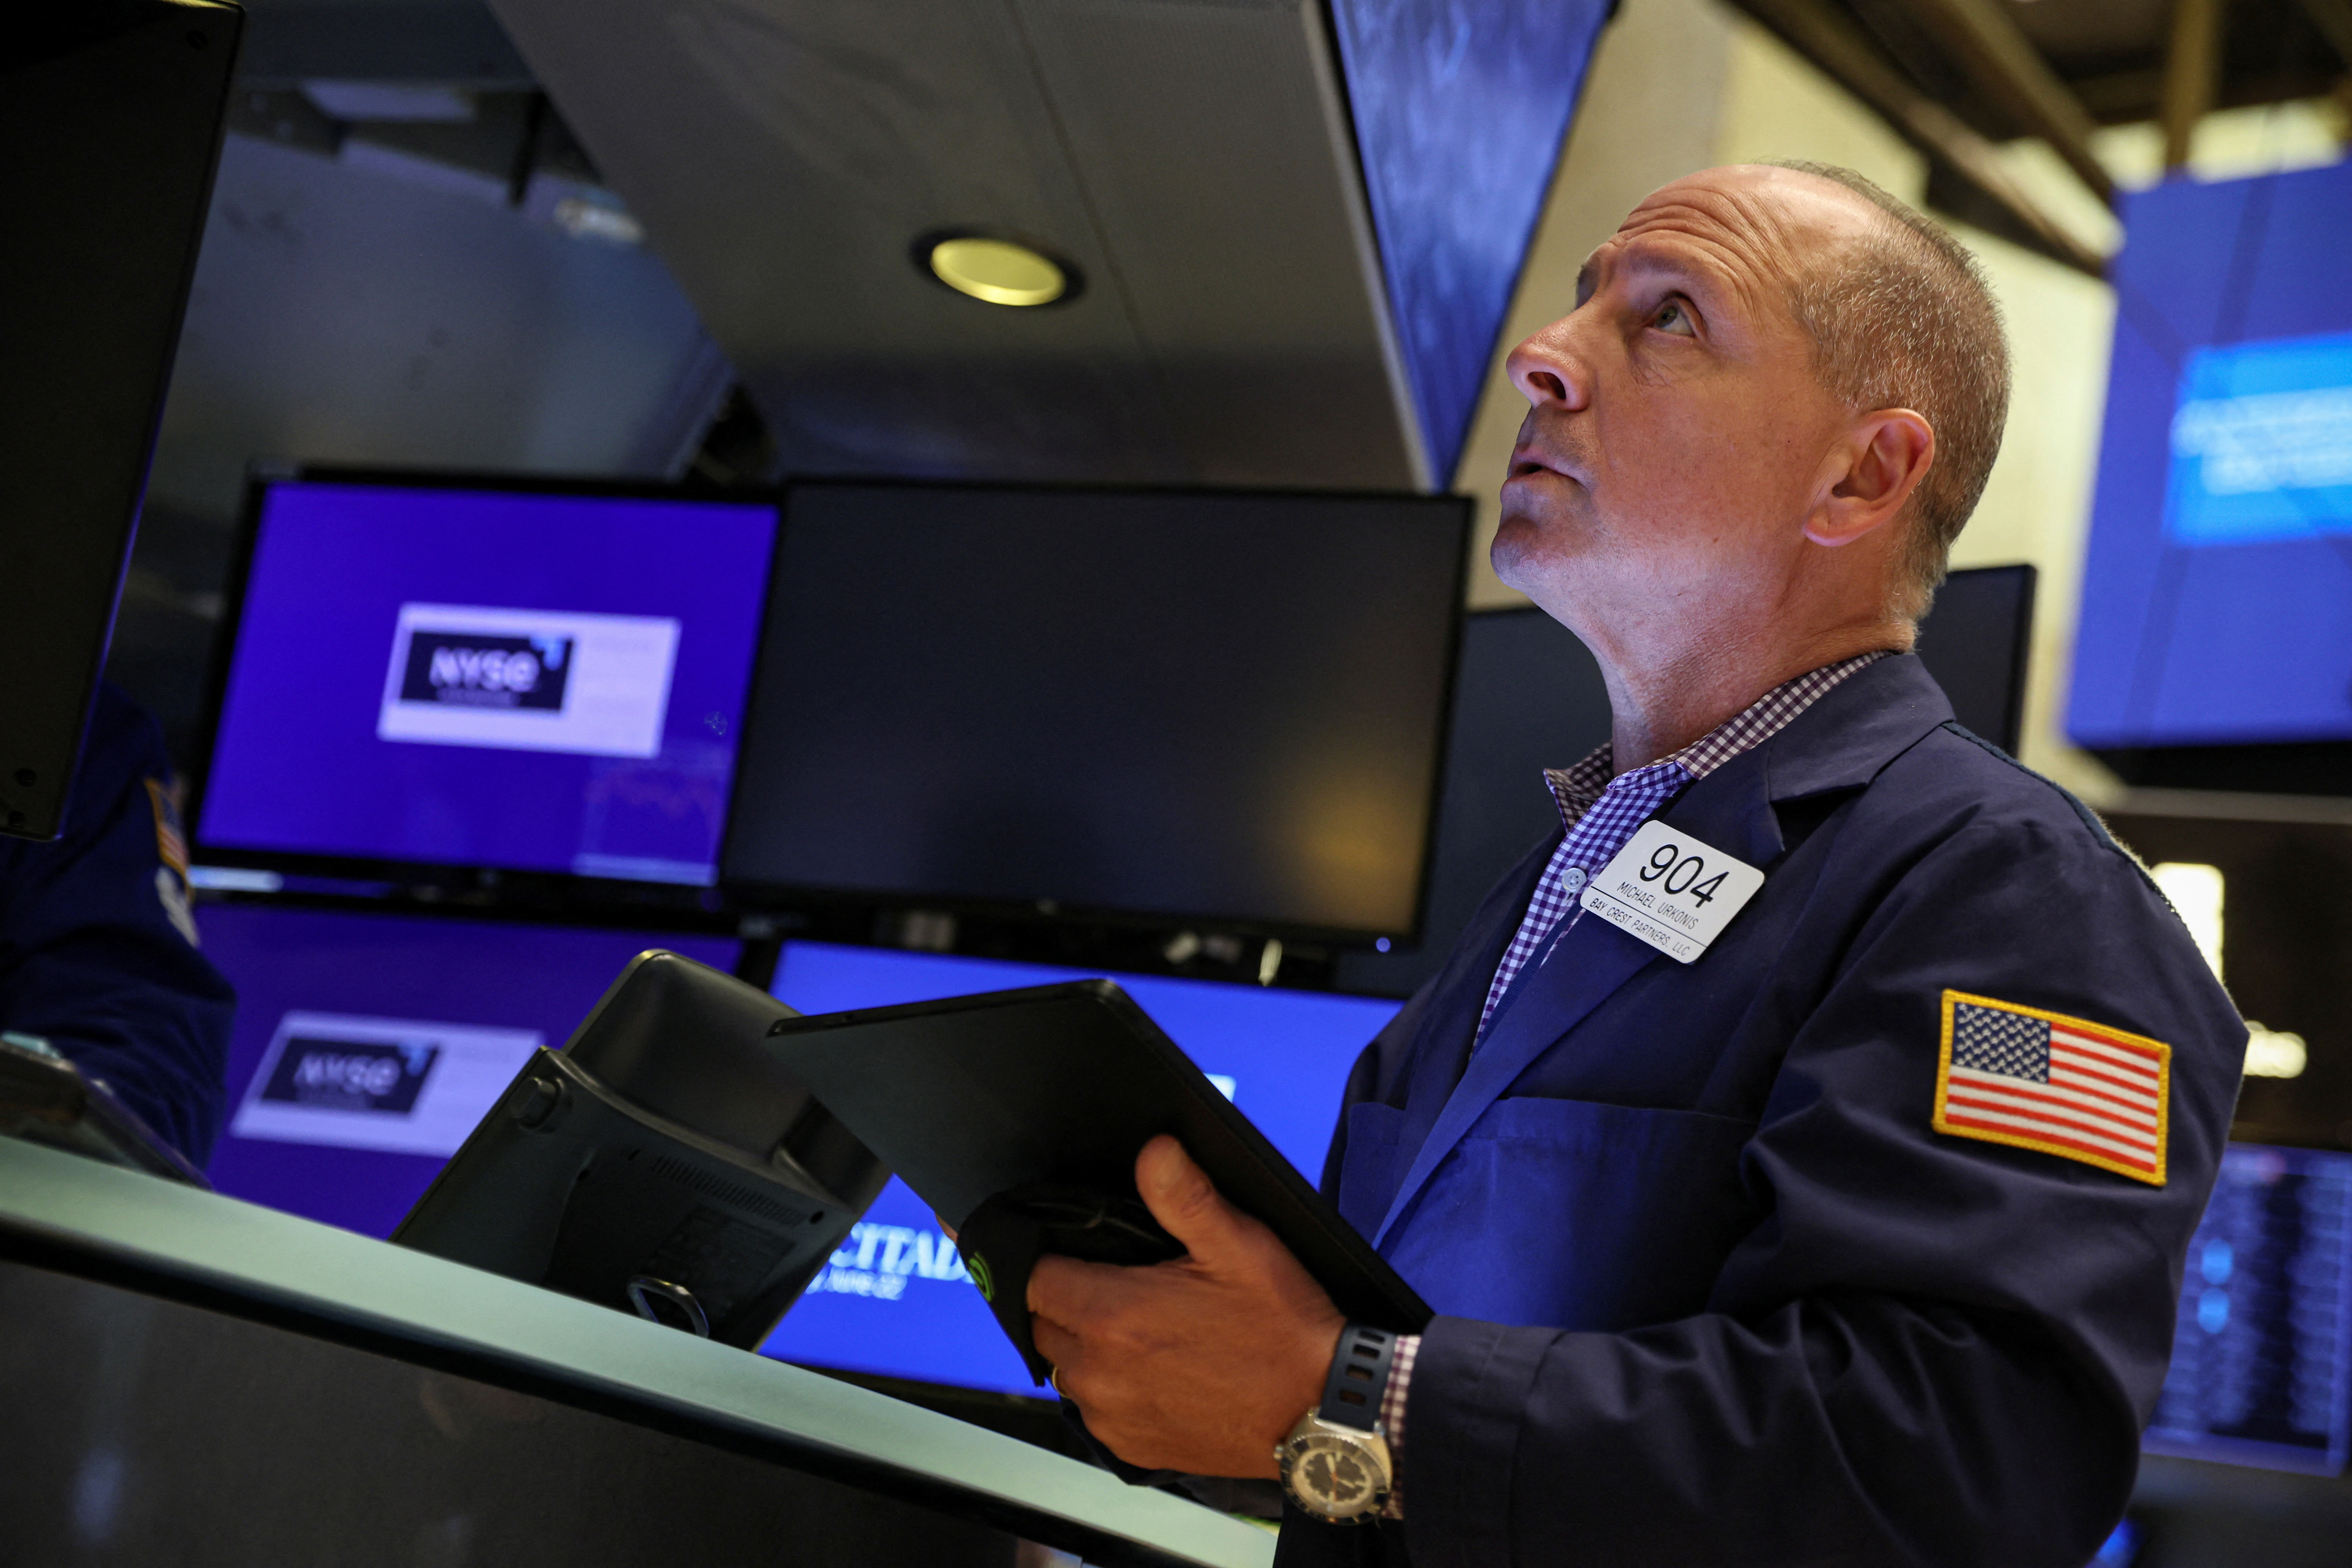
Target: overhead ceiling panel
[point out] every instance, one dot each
(1190, 157)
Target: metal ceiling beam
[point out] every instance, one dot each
(2192, 70)
(1832, 42)
(1995, 55)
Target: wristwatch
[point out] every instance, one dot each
(1335, 1463)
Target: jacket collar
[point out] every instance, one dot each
(1841, 741)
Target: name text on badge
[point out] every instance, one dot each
(1671, 891)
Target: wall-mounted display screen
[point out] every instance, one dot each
(2217, 597)
(456, 675)
(1214, 706)
(367, 1047)
(895, 1300)
(2262, 1356)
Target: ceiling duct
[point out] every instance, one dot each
(1203, 167)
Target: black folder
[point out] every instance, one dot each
(1056, 1087)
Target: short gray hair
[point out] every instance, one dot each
(1904, 318)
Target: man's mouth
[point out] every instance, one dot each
(1524, 462)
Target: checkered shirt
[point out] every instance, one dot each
(1600, 813)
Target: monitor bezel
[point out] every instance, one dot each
(757, 897)
(527, 891)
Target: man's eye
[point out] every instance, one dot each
(1674, 317)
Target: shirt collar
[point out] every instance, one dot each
(1575, 788)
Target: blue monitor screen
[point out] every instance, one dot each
(522, 680)
(2262, 1355)
(2217, 598)
(367, 1047)
(895, 1300)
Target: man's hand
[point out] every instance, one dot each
(1202, 1364)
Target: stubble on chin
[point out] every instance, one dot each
(1536, 544)
(1511, 551)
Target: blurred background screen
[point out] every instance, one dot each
(2217, 599)
(2261, 1357)
(462, 676)
(367, 1047)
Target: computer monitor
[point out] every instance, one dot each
(426, 675)
(2214, 649)
(1975, 640)
(2262, 1354)
(367, 1047)
(894, 1300)
(1222, 707)
(1528, 696)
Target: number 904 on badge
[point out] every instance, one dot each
(1671, 891)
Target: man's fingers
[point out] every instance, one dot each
(1057, 1345)
(1070, 1289)
(1184, 1201)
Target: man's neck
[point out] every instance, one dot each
(1657, 710)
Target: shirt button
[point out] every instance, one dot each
(1572, 879)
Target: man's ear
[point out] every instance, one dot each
(1869, 479)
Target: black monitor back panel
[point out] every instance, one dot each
(1529, 697)
(1186, 706)
(111, 113)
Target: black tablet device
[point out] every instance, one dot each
(1055, 1089)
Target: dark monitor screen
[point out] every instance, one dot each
(520, 680)
(2217, 592)
(1216, 706)
(2261, 1354)
(1528, 696)
(895, 1300)
(1974, 640)
(367, 1047)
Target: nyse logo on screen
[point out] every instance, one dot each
(409, 1086)
(486, 670)
(528, 681)
(351, 1075)
(2262, 442)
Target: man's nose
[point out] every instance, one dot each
(1547, 370)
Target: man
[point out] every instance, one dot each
(1849, 1230)
(98, 943)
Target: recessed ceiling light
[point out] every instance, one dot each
(1001, 271)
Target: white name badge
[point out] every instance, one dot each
(1671, 891)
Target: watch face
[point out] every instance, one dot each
(1335, 1477)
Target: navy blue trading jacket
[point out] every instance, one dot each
(96, 950)
(1712, 1288)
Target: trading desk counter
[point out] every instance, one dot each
(189, 1379)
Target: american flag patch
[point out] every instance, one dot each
(2064, 1086)
(171, 843)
